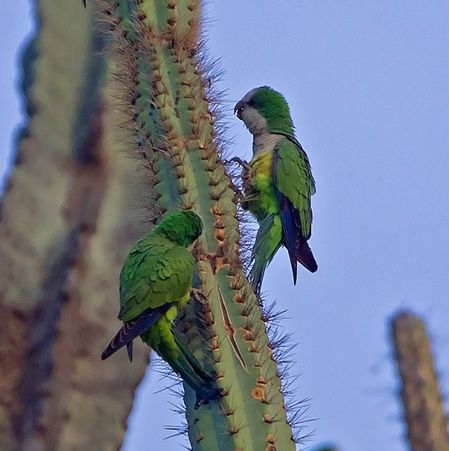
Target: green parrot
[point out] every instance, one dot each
(277, 183)
(155, 284)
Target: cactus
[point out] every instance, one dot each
(69, 215)
(66, 225)
(161, 71)
(427, 423)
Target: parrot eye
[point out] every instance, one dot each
(240, 110)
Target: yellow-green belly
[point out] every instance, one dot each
(263, 198)
(159, 336)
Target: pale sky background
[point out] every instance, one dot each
(368, 85)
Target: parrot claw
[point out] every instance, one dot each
(244, 200)
(241, 162)
(249, 198)
(213, 396)
(198, 295)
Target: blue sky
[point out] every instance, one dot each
(368, 87)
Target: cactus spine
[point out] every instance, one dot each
(157, 55)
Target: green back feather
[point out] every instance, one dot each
(293, 178)
(159, 267)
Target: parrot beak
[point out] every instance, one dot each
(238, 109)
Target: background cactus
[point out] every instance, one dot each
(426, 420)
(68, 219)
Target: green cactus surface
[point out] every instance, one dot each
(161, 72)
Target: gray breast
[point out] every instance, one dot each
(265, 142)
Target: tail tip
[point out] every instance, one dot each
(107, 353)
(306, 258)
(129, 350)
(295, 273)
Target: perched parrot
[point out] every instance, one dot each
(277, 183)
(155, 284)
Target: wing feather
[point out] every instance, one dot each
(163, 275)
(292, 177)
(132, 329)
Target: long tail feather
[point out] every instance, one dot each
(290, 239)
(205, 389)
(132, 329)
(187, 353)
(257, 273)
(306, 258)
(291, 231)
(129, 350)
(268, 241)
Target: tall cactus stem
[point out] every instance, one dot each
(158, 57)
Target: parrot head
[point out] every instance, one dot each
(182, 227)
(265, 110)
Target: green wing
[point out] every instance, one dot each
(292, 176)
(154, 274)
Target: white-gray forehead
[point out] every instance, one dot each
(247, 97)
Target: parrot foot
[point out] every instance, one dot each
(214, 395)
(198, 295)
(248, 174)
(244, 201)
(241, 162)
